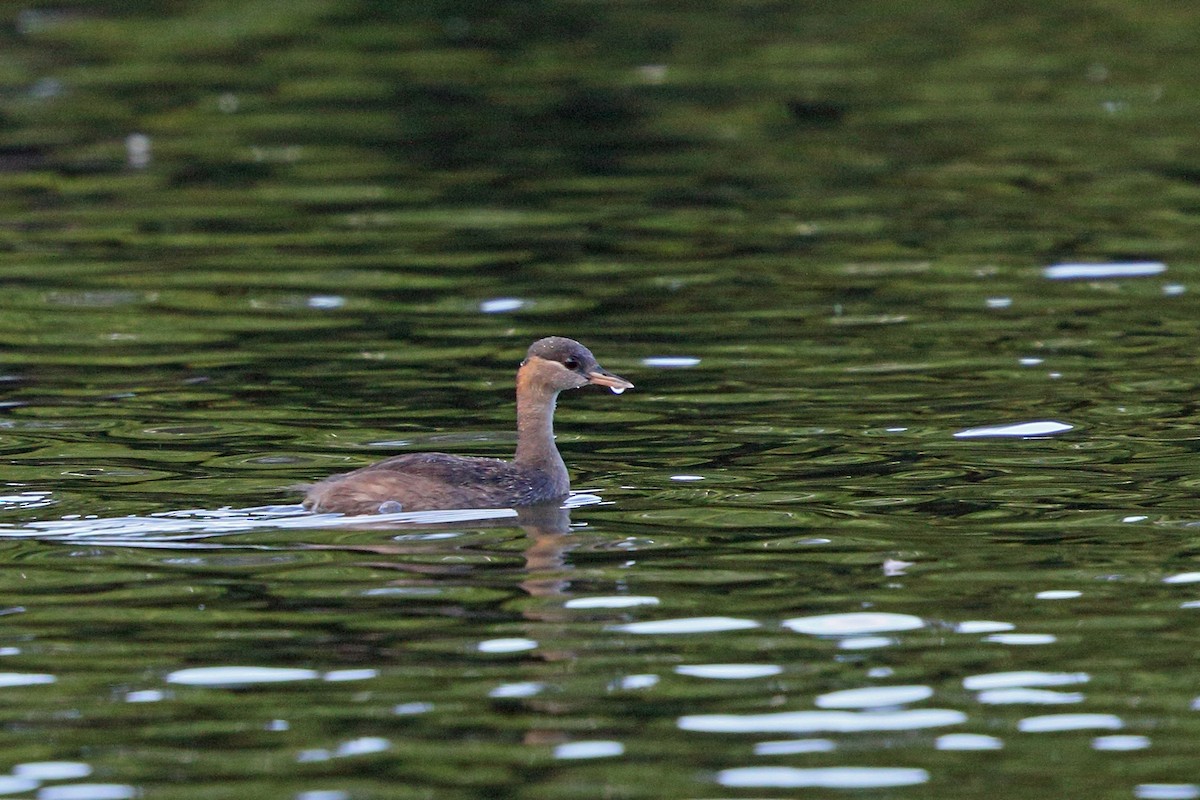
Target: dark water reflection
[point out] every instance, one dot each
(815, 240)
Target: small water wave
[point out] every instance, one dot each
(188, 528)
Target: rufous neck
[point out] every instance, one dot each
(535, 428)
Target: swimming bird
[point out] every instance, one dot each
(430, 481)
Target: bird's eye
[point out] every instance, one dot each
(571, 363)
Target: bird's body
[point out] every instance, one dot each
(429, 481)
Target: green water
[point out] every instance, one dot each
(245, 246)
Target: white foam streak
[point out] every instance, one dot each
(186, 528)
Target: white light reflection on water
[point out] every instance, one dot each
(26, 500)
(982, 626)
(615, 601)
(1021, 695)
(822, 721)
(1018, 430)
(788, 747)
(589, 749)
(822, 777)
(728, 671)
(1058, 594)
(517, 690)
(501, 305)
(510, 645)
(853, 624)
(874, 697)
(52, 770)
(232, 677)
(1001, 680)
(865, 642)
(325, 302)
(323, 794)
(1167, 791)
(340, 675)
(632, 683)
(968, 741)
(10, 784)
(1120, 743)
(1021, 639)
(88, 791)
(1128, 269)
(364, 746)
(1052, 723)
(670, 362)
(686, 625)
(8, 679)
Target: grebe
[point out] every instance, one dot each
(429, 481)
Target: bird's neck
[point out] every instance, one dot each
(535, 432)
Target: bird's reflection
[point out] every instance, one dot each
(546, 554)
(545, 526)
(545, 581)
